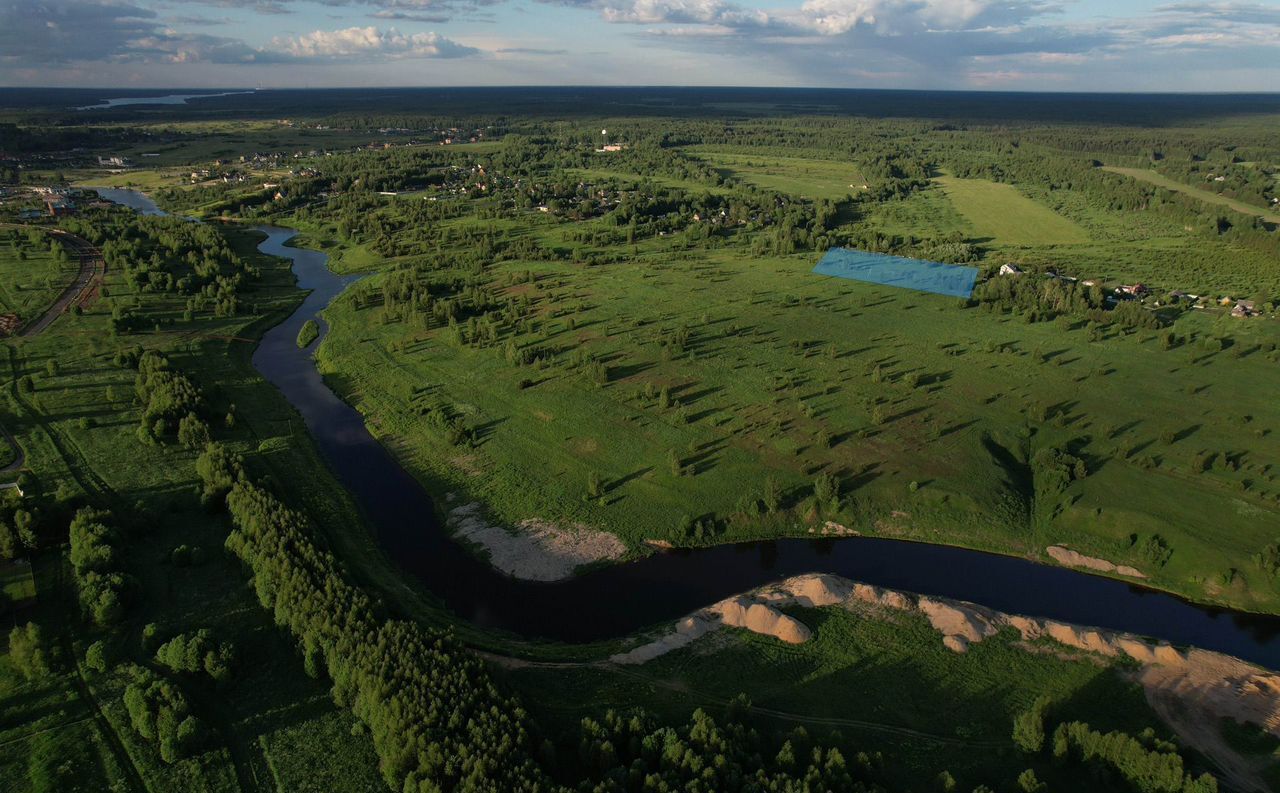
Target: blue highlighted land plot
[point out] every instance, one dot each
(881, 268)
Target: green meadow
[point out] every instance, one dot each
(31, 276)
(881, 678)
(1000, 213)
(801, 176)
(927, 414)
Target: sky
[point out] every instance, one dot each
(1026, 45)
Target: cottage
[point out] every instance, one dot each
(1244, 308)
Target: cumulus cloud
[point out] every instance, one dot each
(406, 16)
(906, 43)
(946, 41)
(368, 43)
(429, 11)
(116, 31)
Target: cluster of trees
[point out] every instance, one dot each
(1039, 299)
(1157, 769)
(1148, 765)
(166, 254)
(625, 752)
(171, 403)
(161, 714)
(198, 651)
(436, 718)
(18, 531)
(1054, 469)
(104, 587)
(30, 651)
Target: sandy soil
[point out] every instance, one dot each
(1065, 556)
(1191, 690)
(1208, 687)
(536, 549)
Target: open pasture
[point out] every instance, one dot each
(721, 373)
(31, 276)
(799, 176)
(1002, 215)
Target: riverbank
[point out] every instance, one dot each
(616, 601)
(1193, 689)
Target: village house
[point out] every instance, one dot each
(1244, 308)
(1132, 290)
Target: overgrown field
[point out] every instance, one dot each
(884, 680)
(998, 212)
(32, 273)
(717, 372)
(1207, 196)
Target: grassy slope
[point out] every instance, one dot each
(28, 287)
(758, 323)
(1208, 196)
(1001, 213)
(803, 176)
(864, 673)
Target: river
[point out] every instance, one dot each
(620, 599)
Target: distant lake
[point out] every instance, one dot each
(167, 99)
(130, 198)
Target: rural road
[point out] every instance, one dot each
(92, 267)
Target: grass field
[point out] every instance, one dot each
(866, 674)
(801, 176)
(31, 278)
(607, 174)
(1000, 213)
(49, 739)
(787, 375)
(17, 582)
(1208, 196)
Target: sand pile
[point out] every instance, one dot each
(960, 624)
(1069, 558)
(536, 549)
(1192, 691)
(741, 612)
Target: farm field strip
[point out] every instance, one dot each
(1001, 213)
(1208, 196)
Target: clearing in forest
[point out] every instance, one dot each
(1001, 213)
(801, 176)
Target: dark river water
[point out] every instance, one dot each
(623, 598)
